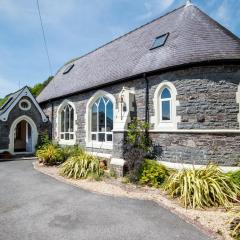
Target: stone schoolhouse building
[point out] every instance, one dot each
(180, 73)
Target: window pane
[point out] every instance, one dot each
(101, 137)
(101, 116)
(94, 118)
(62, 121)
(71, 120)
(71, 136)
(109, 116)
(67, 120)
(160, 41)
(94, 137)
(165, 94)
(66, 136)
(109, 137)
(62, 136)
(166, 110)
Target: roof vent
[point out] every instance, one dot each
(68, 69)
(160, 41)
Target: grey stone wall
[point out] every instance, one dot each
(16, 112)
(207, 97)
(197, 148)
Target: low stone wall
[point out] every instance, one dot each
(198, 148)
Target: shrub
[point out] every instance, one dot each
(44, 140)
(82, 166)
(137, 136)
(134, 160)
(136, 146)
(153, 174)
(69, 151)
(49, 155)
(201, 188)
(235, 176)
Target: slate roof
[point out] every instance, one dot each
(193, 37)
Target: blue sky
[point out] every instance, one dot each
(75, 27)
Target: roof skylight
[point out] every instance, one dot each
(160, 41)
(68, 69)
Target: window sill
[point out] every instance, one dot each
(166, 126)
(67, 142)
(101, 145)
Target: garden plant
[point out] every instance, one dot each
(204, 187)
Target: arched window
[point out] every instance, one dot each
(102, 120)
(67, 123)
(165, 105)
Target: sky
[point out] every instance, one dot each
(75, 27)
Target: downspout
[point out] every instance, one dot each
(52, 121)
(146, 104)
(146, 98)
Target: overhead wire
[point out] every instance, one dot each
(45, 42)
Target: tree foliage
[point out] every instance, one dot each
(37, 88)
(3, 100)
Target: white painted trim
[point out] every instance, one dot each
(165, 125)
(34, 133)
(102, 155)
(180, 166)
(117, 161)
(103, 145)
(238, 101)
(91, 101)
(26, 101)
(58, 125)
(203, 131)
(25, 93)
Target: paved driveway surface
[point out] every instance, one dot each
(35, 206)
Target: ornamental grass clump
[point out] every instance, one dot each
(235, 222)
(204, 187)
(81, 167)
(49, 155)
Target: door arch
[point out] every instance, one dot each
(31, 134)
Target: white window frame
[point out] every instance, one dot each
(88, 119)
(97, 132)
(58, 124)
(156, 120)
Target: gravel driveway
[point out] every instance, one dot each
(37, 207)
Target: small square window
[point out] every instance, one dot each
(109, 137)
(94, 137)
(101, 137)
(160, 41)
